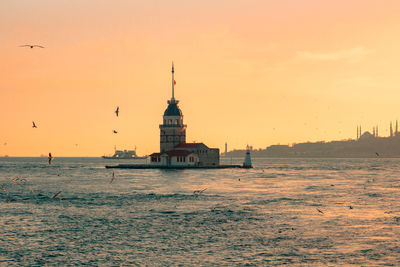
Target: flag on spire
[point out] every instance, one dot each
(174, 82)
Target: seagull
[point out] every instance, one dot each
(377, 154)
(320, 211)
(350, 207)
(117, 111)
(5, 191)
(56, 195)
(33, 125)
(198, 192)
(113, 177)
(114, 131)
(31, 46)
(50, 158)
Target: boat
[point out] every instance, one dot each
(124, 154)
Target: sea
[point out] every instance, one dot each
(284, 211)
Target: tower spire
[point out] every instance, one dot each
(173, 82)
(391, 130)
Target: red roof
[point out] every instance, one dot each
(188, 145)
(178, 153)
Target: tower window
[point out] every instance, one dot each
(169, 121)
(176, 122)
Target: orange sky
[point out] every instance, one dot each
(257, 72)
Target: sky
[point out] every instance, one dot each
(247, 72)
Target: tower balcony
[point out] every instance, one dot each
(173, 126)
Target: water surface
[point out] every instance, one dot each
(263, 216)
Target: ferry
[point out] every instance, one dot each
(124, 154)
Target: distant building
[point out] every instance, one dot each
(174, 151)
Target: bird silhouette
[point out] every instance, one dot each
(377, 154)
(56, 195)
(113, 177)
(31, 46)
(114, 131)
(117, 111)
(50, 158)
(320, 211)
(198, 192)
(33, 125)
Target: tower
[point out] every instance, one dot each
(391, 130)
(397, 129)
(358, 136)
(373, 131)
(377, 134)
(172, 131)
(226, 148)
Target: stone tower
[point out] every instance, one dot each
(172, 131)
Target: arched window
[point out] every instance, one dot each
(169, 121)
(176, 122)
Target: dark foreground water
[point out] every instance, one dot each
(152, 217)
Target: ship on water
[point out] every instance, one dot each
(124, 154)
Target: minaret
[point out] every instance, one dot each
(397, 129)
(226, 148)
(373, 131)
(172, 131)
(391, 130)
(357, 133)
(377, 135)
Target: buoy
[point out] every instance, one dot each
(247, 160)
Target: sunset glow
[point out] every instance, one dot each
(247, 72)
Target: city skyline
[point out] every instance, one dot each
(247, 72)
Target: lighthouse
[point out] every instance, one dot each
(247, 160)
(172, 131)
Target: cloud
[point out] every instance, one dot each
(353, 54)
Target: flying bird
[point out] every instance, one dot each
(117, 111)
(114, 131)
(56, 195)
(350, 207)
(320, 211)
(31, 46)
(50, 158)
(113, 177)
(198, 192)
(377, 154)
(33, 125)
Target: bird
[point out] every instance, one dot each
(33, 125)
(198, 192)
(5, 191)
(50, 158)
(377, 154)
(113, 177)
(56, 195)
(117, 111)
(31, 46)
(350, 207)
(114, 131)
(320, 211)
